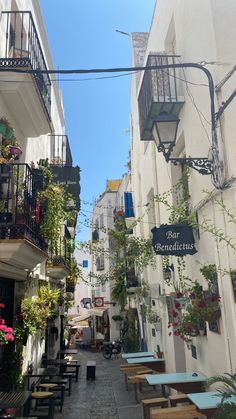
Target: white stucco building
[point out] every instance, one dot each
(31, 103)
(202, 32)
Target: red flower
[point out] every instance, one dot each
(201, 304)
(2, 305)
(175, 314)
(177, 305)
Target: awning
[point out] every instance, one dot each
(78, 319)
(97, 311)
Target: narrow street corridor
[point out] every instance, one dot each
(104, 398)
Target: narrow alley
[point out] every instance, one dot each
(104, 398)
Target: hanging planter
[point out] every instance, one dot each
(182, 302)
(213, 317)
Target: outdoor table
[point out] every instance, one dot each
(137, 355)
(208, 402)
(64, 364)
(67, 352)
(156, 364)
(15, 399)
(184, 382)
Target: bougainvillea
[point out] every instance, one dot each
(6, 333)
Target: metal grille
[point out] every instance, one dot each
(23, 50)
(159, 92)
(18, 193)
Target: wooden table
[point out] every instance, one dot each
(137, 355)
(181, 381)
(15, 399)
(156, 364)
(64, 352)
(64, 364)
(208, 402)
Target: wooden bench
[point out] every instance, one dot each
(91, 370)
(178, 398)
(150, 403)
(134, 370)
(180, 412)
(137, 381)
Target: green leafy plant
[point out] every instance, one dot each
(226, 408)
(130, 333)
(198, 311)
(117, 318)
(53, 204)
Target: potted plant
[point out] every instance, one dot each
(209, 271)
(6, 129)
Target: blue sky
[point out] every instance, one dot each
(82, 34)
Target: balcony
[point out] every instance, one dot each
(58, 264)
(21, 245)
(28, 96)
(160, 92)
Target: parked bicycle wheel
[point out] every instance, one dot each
(106, 351)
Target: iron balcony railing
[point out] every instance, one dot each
(19, 208)
(60, 151)
(59, 251)
(23, 50)
(160, 92)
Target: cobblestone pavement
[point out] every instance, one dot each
(103, 398)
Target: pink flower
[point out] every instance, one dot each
(9, 330)
(3, 327)
(9, 337)
(2, 305)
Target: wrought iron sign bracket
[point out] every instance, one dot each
(201, 164)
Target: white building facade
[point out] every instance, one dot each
(32, 105)
(187, 32)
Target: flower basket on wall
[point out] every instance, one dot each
(213, 317)
(182, 302)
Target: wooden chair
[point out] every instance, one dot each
(180, 412)
(67, 381)
(58, 392)
(150, 403)
(41, 413)
(178, 398)
(129, 370)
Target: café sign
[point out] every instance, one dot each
(175, 240)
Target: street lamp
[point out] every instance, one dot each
(164, 131)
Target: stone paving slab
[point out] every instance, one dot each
(103, 398)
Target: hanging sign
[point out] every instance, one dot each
(98, 301)
(175, 240)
